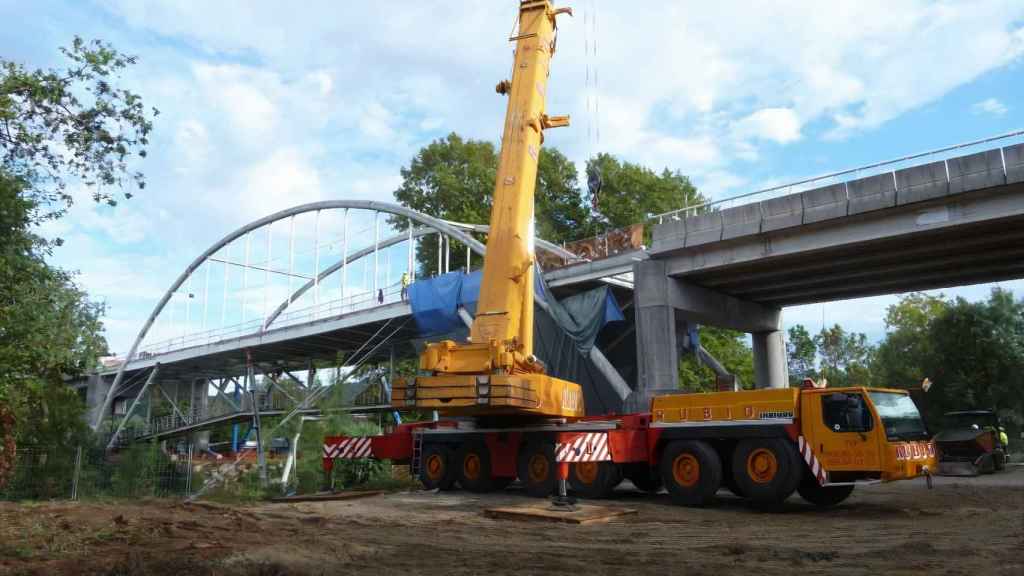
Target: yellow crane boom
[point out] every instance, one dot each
(496, 371)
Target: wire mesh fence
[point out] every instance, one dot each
(176, 470)
(60, 472)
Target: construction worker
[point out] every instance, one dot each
(1004, 439)
(405, 285)
(380, 296)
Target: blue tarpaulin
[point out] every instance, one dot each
(435, 302)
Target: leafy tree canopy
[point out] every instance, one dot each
(977, 354)
(453, 178)
(903, 359)
(631, 193)
(48, 327)
(845, 356)
(801, 354)
(74, 122)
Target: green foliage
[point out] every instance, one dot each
(845, 356)
(801, 353)
(630, 193)
(48, 327)
(728, 347)
(904, 358)
(71, 123)
(55, 126)
(977, 355)
(453, 178)
(139, 470)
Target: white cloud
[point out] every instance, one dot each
(283, 179)
(989, 106)
(779, 125)
(192, 141)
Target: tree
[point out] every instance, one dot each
(453, 178)
(801, 354)
(730, 348)
(71, 123)
(56, 126)
(846, 356)
(48, 327)
(631, 193)
(977, 354)
(904, 356)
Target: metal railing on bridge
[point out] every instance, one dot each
(323, 311)
(895, 164)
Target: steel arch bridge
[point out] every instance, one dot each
(300, 266)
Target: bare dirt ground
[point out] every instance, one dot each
(964, 526)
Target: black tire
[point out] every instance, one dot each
(436, 470)
(642, 476)
(594, 479)
(691, 471)
(473, 467)
(537, 469)
(999, 460)
(502, 482)
(822, 496)
(766, 470)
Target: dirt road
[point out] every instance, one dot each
(963, 526)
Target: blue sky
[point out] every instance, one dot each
(266, 105)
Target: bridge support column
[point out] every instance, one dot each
(770, 367)
(657, 350)
(666, 305)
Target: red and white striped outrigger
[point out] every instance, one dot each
(350, 448)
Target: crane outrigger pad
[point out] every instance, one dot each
(584, 513)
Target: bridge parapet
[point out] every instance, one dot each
(717, 221)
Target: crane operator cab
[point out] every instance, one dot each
(863, 434)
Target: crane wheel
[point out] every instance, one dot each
(473, 467)
(822, 496)
(594, 479)
(436, 467)
(642, 476)
(766, 470)
(691, 471)
(537, 469)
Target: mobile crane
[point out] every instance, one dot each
(505, 418)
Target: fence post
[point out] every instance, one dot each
(77, 474)
(188, 474)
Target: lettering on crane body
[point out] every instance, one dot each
(915, 451)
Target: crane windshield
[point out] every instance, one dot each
(899, 416)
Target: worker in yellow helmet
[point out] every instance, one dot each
(405, 285)
(1004, 439)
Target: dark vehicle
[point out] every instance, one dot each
(971, 443)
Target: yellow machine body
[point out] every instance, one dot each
(490, 395)
(500, 343)
(865, 453)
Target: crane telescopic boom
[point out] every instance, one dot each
(495, 372)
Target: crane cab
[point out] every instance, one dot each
(862, 433)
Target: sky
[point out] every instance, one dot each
(266, 105)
